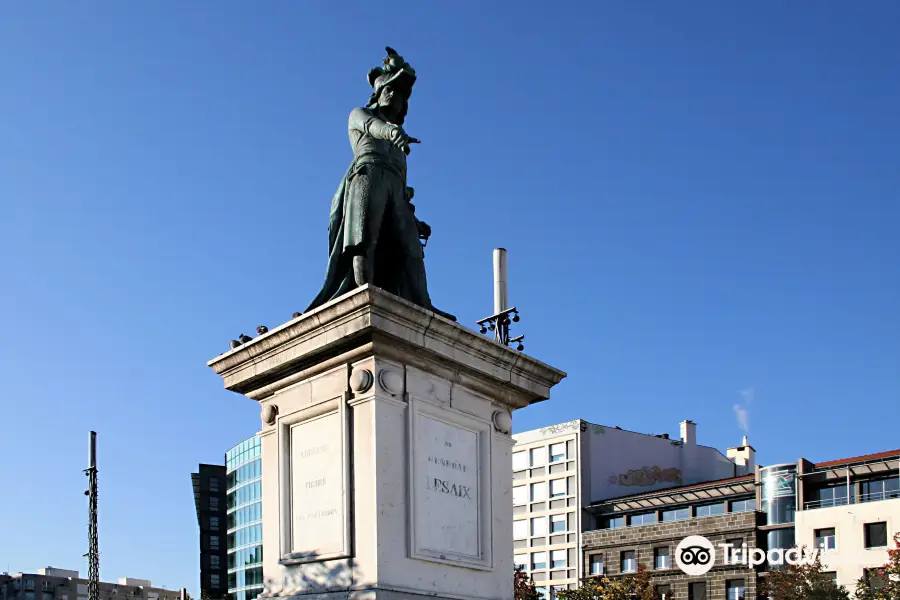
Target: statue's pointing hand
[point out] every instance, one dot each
(401, 140)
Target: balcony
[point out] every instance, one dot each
(826, 503)
(861, 498)
(878, 496)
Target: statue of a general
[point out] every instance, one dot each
(373, 234)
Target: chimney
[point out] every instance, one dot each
(743, 457)
(688, 433)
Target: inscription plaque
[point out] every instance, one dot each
(317, 487)
(446, 480)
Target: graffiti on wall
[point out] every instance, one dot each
(577, 424)
(646, 476)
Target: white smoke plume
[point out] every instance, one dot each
(742, 411)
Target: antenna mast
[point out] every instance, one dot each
(93, 554)
(499, 321)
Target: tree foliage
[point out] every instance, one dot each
(887, 585)
(523, 586)
(805, 581)
(631, 587)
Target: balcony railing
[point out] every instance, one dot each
(876, 496)
(861, 498)
(828, 502)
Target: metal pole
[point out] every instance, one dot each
(93, 540)
(848, 485)
(501, 293)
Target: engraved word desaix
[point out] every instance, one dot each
(447, 486)
(447, 495)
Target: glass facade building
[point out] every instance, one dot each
(244, 504)
(779, 505)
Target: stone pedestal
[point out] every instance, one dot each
(385, 451)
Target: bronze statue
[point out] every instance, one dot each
(373, 234)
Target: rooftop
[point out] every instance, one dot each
(707, 490)
(878, 456)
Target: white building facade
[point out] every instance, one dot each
(560, 470)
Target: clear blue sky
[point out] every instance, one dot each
(698, 198)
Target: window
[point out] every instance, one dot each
(598, 566)
(520, 495)
(612, 523)
(557, 488)
(661, 558)
(697, 591)
(213, 503)
(830, 496)
(879, 489)
(743, 505)
(643, 519)
(539, 526)
(538, 491)
(214, 484)
(876, 535)
(874, 580)
(520, 529)
(558, 559)
(676, 514)
(663, 592)
(554, 589)
(832, 575)
(213, 542)
(825, 539)
(543, 593)
(214, 579)
(214, 561)
(521, 560)
(557, 523)
(214, 523)
(557, 452)
(735, 555)
(538, 457)
(520, 461)
(710, 510)
(538, 560)
(628, 561)
(734, 589)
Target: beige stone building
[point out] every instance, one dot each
(61, 584)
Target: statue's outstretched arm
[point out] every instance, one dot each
(364, 121)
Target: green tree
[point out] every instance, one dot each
(523, 586)
(884, 582)
(805, 581)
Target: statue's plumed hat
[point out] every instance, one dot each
(396, 72)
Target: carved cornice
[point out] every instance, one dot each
(369, 321)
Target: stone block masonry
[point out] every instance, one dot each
(645, 540)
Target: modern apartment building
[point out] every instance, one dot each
(558, 471)
(244, 504)
(61, 584)
(209, 499)
(849, 509)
